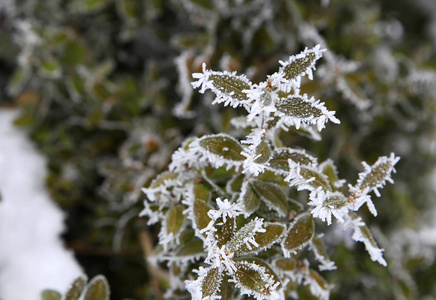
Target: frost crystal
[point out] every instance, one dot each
(226, 210)
(228, 87)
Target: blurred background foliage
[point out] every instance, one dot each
(103, 87)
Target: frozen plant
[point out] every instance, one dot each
(228, 225)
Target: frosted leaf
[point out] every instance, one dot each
(172, 226)
(263, 153)
(281, 156)
(272, 234)
(301, 111)
(272, 195)
(188, 156)
(245, 235)
(321, 255)
(358, 198)
(362, 234)
(199, 215)
(318, 286)
(223, 146)
(329, 169)
(76, 288)
(98, 289)
(257, 154)
(255, 278)
(248, 199)
(307, 177)
(291, 71)
(375, 176)
(228, 87)
(326, 204)
(216, 150)
(207, 284)
(160, 184)
(300, 234)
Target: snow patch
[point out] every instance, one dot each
(32, 256)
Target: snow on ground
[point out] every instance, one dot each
(32, 256)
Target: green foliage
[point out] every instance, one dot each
(96, 289)
(103, 93)
(300, 233)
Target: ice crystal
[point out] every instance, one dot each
(225, 210)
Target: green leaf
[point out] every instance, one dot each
(175, 219)
(200, 210)
(249, 199)
(274, 232)
(316, 278)
(328, 168)
(273, 195)
(225, 231)
(301, 64)
(223, 145)
(201, 192)
(286, 264)
(376, 175)
(230, 85)
(311, 177)
(18, 80)
(321, 255)
(281, 156)
(300, 233)
(50, 295)
(255, 276)
(335, 201)
(264, 151)
(98, 289)
(226, 290)
(160, 180)
(51, 69)
(76, 288)
(298, 107)
(191, 248)
(211, 283)
(235, 183)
